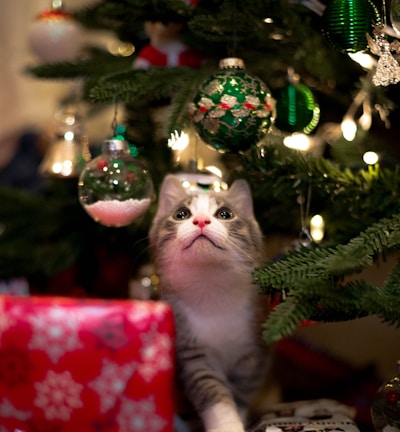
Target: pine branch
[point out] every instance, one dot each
(331, 262)
(98, 64)
(349, 199)
(285, 319)
(314, 278)
(179, 113)
(286, 272)
(326, 301)
(118, 13)
(392, 284)
(152, 84)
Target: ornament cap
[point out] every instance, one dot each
(115, 145)
(231, 63)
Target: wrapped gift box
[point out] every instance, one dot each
(85, 365)
(320, 415)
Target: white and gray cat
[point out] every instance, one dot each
(205, 246)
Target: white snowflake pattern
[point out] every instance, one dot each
(139, 416)
(142, 312)
(55, 330)
(7, 409)
(58, 395)
(155, 354)
(111, 382)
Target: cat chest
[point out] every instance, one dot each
(226, 334)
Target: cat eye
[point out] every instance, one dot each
(182, 213)
(224, 213)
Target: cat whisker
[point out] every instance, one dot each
(143, 250)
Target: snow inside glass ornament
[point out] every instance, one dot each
(114, 188)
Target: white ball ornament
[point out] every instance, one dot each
(55, 36)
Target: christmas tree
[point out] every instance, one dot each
(171, 48)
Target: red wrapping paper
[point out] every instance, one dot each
(86, 365)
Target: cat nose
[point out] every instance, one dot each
(201, 221)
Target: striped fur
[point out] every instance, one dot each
(205, 246)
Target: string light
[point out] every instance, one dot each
(178, 141)
(370, 157)
(349, 128)
(317, 228)
(214, 170)
(365, 60)
(298, 141)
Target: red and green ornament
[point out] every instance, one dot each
(346, 23)
(296, 108)
(232, 110)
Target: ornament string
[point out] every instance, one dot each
(232, 50)
(305, 236)
(114, 122)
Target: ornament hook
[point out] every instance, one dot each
(305, 238)
(114, 122)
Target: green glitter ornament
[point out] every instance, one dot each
(232, 110)
(296, 107)
(346, 22)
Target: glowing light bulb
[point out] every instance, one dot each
(349, 128)
(365, 121)
(317, 228)
(365, 60)
(370, 157)
(298, 141)
(214, 170)
(69, 136)
(178, 141)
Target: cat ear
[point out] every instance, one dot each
(241, 193)
(171, 192)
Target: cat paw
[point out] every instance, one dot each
(222, 417)
(227, 428)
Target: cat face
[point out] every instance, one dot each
(206, 227)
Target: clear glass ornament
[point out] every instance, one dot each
(385, 410)
(114, 188)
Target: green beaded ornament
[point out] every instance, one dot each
(296, 109)
(346, 22)
(232, 110)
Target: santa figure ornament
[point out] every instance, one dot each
(166, 48)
